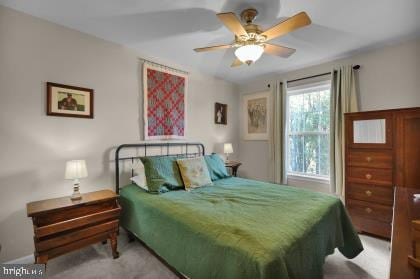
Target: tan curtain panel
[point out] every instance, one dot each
(277, 130)
(343, 99)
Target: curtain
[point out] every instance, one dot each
(276, 135)
(343, 99)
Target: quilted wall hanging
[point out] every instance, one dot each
(165, 94)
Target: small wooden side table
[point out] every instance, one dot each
(234, 165)
(62, 225)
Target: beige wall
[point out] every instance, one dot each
(389, 77)
(34, 147)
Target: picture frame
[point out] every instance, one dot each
(69, 101)
(220, 113)
(256, 116)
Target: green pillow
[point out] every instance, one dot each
(194, 172)
(216, 167)
(162, 173)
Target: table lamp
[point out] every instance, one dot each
(75, 170)
(228, 149)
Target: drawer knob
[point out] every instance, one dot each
(368, 210)
(369, 159)
(368, 176)
(368, 193)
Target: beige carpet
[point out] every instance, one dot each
(135, 261)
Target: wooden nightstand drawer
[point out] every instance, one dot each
(62, 225)
(59, 215)
(69, 224)
(47, 243)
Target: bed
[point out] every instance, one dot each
(240, 228)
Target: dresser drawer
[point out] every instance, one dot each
(371, 226)
(369, 175)
(370, 159)
(371, 211)
(371, 193)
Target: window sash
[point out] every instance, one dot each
(315, 88)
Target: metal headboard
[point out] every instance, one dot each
(198, 148)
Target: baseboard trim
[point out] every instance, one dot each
(29, 259)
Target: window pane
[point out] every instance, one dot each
(324, 103)
(309, 125)
(295, 109)
(296, 153)
(324, 155)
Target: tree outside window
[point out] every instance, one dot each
(309, 131)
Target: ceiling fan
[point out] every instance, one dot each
(251, 41)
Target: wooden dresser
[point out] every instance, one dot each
(380, 150)
(62, 225)
(406, 209)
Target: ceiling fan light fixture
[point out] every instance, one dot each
(249, 53)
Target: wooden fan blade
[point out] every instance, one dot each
(292, 23)
(212, 48)
(278, 50)
(236, 63)
(231, 21)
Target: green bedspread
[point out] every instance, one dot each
(240, 228)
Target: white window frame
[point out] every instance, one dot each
(297, 90)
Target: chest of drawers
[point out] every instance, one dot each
(382, 150)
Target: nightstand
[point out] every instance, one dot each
(234, 165)
(62, 225)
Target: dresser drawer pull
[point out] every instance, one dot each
(369, 159)
(368, 176)
(368, 210)
(368, 193)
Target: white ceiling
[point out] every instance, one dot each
(170, 29)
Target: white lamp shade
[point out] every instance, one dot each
(249, 53)
(228, 149)
(76, 169)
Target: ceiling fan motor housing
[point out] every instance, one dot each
(249, 15)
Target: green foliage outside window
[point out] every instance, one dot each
(309, 133)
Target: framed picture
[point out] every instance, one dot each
(69, 101)
(165, 95)
(220, 113)
(256, 111)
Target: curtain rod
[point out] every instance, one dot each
(355, 67)
(163, 66)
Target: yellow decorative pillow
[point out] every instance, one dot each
(194, 172)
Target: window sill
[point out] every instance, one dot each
(308, 178)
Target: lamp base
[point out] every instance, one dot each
(76, 194)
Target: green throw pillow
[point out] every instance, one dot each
(194, 172)
(216, 167)
(162, 173)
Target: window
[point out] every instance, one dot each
(308, 125)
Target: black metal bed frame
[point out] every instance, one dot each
(199, 151)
